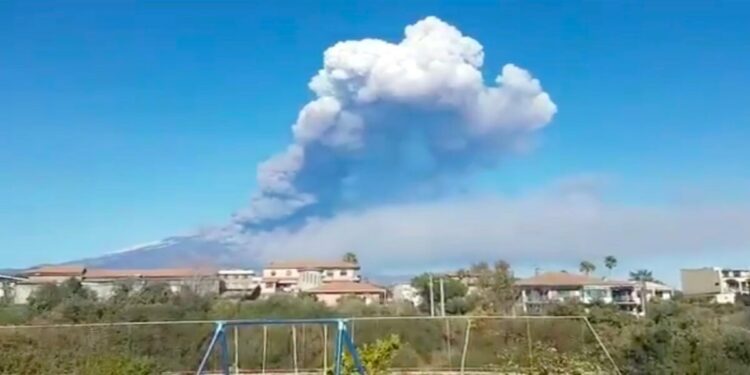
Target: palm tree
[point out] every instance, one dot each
(610, 262)
(641, 275)
(350, 257)
(587, 267)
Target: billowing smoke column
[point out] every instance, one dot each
(396, 121)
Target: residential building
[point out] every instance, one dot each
(7, 287)
(721, 285)
(54, 274)
(34, 278)
(105, 281)
(406, 293)
(296, 276)
(239, 282)
(545, 289)
(331, 293)
(657, 291)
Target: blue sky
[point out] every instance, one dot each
(128, 122)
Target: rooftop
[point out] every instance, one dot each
(11, 278)
(347, 287)
(568, 279)
(56, 271)
(236, 272)
(102, 274)
(312, 264)
(158, 273)
(657, 286)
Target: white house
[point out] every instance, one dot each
(406, 293)
(543, 290)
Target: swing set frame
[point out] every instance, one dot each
(343, 341)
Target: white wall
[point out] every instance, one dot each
(281, 272)
(240, 281)
(407, 293)
(339, 274)
(309, 280)
(22, 293)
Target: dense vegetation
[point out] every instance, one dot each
(677, 337)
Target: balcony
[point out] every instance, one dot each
(623, 298)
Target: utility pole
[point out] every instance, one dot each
(432, 297)
(442, 296)
(644, 297)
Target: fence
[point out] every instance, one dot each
(462, 345)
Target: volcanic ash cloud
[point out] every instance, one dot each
(394, 120)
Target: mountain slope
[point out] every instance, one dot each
(180, 251)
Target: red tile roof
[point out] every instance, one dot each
(56, 271)
(163, 273)
(567, 279)
(312, 264)
(346, 287)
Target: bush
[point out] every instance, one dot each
(376, 357)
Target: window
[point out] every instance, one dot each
(289, 272)
(343, 273)
(329, 273)
(269, 285)
(273, 273)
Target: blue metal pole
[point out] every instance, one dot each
(224, 351)
(353, 351)
(339, 347)
(217, 331)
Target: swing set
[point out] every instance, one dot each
(219, 341)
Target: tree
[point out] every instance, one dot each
(44, 298)
(454, 289)
(587, 267)
(49, 296)
(495, 293)
(350, 257)
(610, 262)
(153, 293)
(641, 275)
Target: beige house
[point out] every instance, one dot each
(721, 285)
(331, 293)
(296, 276)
